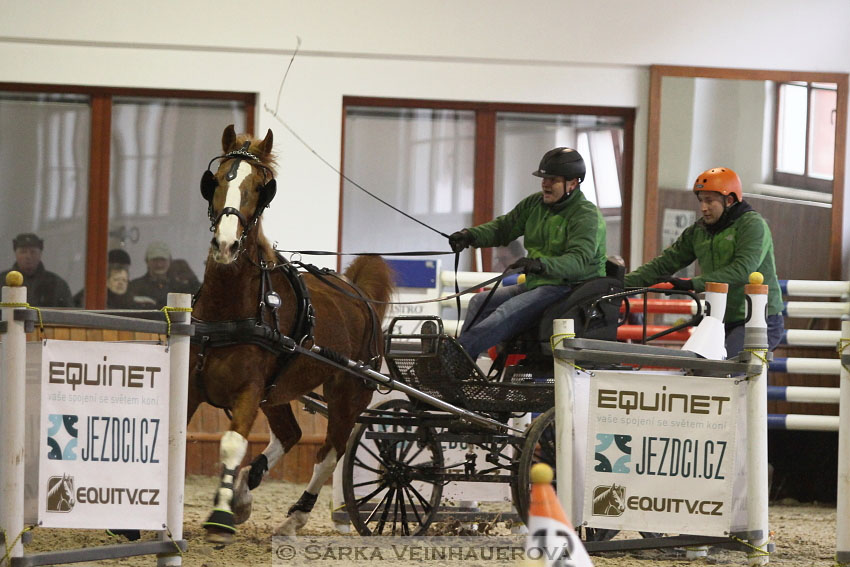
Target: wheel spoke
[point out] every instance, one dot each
(412, 505)
(395, 510)
(383, 520)
(367, 483)
(365, 499)
(405, 529)
(426, 505)
(413, 457)
(363, 465)
(377, 506)
(374, 456)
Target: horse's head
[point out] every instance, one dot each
(238, 191)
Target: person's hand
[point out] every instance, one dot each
(528, 266)
(684, 284)
(460, 240)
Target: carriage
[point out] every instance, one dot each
(395, 465)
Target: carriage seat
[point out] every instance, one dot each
(594, 318)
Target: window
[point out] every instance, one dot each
(805, 135)
(456, 164)
(95, 169)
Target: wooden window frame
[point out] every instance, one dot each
(485, 148)
(804, 181)
(97, 211)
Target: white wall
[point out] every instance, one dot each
(714, 122)
(551, 51)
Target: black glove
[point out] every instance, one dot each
(460, 240)
(684, 284)
(528, 266)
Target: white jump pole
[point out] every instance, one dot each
(12, 420)
(178, 392)
(842, 539)
(755, 346)
(564, 443)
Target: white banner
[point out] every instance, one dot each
(661, 453)
(103, 453)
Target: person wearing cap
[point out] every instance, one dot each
(44, 288)
(565, 239)
(151, 290)
(730, 240)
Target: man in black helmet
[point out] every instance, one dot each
(565, 238)
(44, 288)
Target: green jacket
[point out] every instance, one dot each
(728, 256)
(568, 237)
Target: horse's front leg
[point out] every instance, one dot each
(299, 513)
(284, 433)
(220, 525)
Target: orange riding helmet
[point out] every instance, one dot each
(720, 180)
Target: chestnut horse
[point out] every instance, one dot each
(245, 281)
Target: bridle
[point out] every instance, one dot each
(209, 184)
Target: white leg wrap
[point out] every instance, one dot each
(322, 472)
(273, 451)
(233, 448)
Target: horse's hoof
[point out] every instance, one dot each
(219, 537)
(220, 527)
(243, 501)
(292, 524)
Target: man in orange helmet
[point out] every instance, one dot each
(729, 241)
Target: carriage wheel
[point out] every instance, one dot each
(386, 482)
(539, 447)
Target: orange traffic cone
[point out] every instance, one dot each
(552, 541)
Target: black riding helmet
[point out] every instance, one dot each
(564, 162)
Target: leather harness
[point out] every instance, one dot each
(258, 330)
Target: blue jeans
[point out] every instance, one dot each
(510, 310)
(735, 335)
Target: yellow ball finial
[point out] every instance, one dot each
(756, 278)
(541, 473)
(14, 279)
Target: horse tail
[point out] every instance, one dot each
(374, 276)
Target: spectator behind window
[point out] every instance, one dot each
(151, 290)
(117, 280)
(116, 258)
(44, 288)
(183, 274)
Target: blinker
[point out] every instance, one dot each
(208, 185)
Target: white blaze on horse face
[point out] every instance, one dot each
(225, 232)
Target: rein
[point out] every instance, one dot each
(321, 273)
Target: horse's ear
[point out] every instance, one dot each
(266, 144)
(228, 138)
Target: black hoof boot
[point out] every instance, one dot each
(220, 527)
(259, 467)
